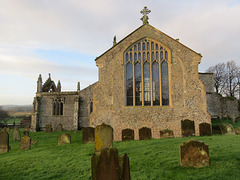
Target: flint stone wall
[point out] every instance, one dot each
(187, 92)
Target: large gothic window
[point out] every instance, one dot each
(147, 74)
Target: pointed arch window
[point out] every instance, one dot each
(147, 74)
(58, 106)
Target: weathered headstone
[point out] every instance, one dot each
(110, 166)
(26, 143)
(8, 129)
(145, 133)
(194, 154)
(64, 139)
(227, 129)
(88, 134)
(166, 133)
(34, 142)
(237, 131)
(188, 128)
(48, 128)
(16, 134)
(205, 129)
(216, 129)
(4, 141)
(26, 133)
(59, 128)
(103, 137)
(127, 134)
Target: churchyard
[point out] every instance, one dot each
(149, 159)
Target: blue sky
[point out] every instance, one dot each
(64, 37)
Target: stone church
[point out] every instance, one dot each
(147, 79)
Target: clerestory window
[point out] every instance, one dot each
(58, 106)
(147, 74)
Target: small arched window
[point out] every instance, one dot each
(58, 106)
(147, 74)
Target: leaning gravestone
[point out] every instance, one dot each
(108, 165)
(88, 134)
(26, 143)
(166, 133)
(64, 139)
(237, 131)
(4, 141)
(188, 128)
(103, 137)
(145, 133)
(59, 128)
(16, 134)
(26, 133)
(205, 129)
(227, 129)
(48, 128)
(127, 134)
(194, 154)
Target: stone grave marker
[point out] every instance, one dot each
(16, 134)
(4, 141)
(145, 133)
(205, 129)
(34, 142)
(188, 128)
(103, 137)
(59, 128)
(194, 154)
(108, 165)
(8, 129)
(88, 134)
(64, 139)
(48, 128)
(216, 129)
(127, 134)
(166, 133)
(26, 133)
(227, 129)
(237, 131)
(26, 143)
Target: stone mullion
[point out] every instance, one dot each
(150, 62)
(160, 78)
(133, 63)
(142, 62)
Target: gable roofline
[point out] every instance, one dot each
(137, 30)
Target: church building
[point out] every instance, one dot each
(147, 79)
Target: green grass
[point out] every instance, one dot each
(225, 120)
(149, 160)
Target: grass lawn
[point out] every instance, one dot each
(154, 159)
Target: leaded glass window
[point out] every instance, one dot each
(147, 74)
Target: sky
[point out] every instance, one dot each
(63, 37)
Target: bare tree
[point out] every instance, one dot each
(219, 76)
(3, 116)
(226, 78)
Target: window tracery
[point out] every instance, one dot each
(58, 106)
(147, 74)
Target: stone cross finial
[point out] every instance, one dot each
(144, 12)
(114, 40)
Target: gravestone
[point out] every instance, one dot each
(26, 133)
(8, 129)
(127, 134)
(4, 141)
(216, 129)
(34, 142)
(88, 134)
(194, 154)
(26, 143)
(205, 129)
(237, 131)
(64, 139)
(188, 128)
(166, 133)
(48, 128)
(103, 137)
(145, 133)
(16, 134)
(59, 128)
(108, 165)
(227, 129)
